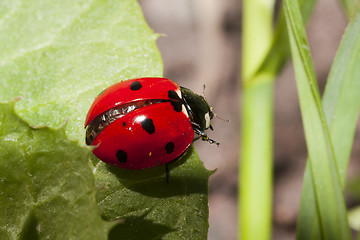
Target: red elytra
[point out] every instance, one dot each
(151, 126)
(120, 93)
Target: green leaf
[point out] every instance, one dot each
(175, 210)
(353, 188)
(57, 56)
(323, 169)
(46, 185)
(341, 103)
(351, 7)
(341, 99)
(279, 52)
(354, 218)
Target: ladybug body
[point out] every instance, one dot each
(146, 122)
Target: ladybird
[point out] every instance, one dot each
(146, 122)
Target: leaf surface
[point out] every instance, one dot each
(175, 210)
(47, 188)
(57, 56)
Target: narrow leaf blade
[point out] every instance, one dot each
(351, 7)
(279, 52)
(341, 103)
(328, 194)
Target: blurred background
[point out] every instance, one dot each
(201, 45)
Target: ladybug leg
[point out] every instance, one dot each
(204, 136)
(167, 169)
(196, 138)
(167, 172)
(211, 141)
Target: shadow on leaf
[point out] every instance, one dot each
(30, 231)
(145, 174)
(152, 182)
(138, 228)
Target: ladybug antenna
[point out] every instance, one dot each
(204, 92)
(218, 117)
(211, 108)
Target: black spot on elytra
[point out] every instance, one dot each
(121, 156)
(177, 105)
(124, 124)
(169, 147)
(148, 125)
(135, 86)
(173, 95)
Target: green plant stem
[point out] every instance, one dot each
(264, 53)
(256, 165)
(255, 181)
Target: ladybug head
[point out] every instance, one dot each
(199, 111)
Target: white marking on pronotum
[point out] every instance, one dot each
(184, 111)
(178, 92)
(207, 120)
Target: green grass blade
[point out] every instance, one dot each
(279, 52)
(341, 100)
(341, 103)
(327, 188)
(350, 7)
